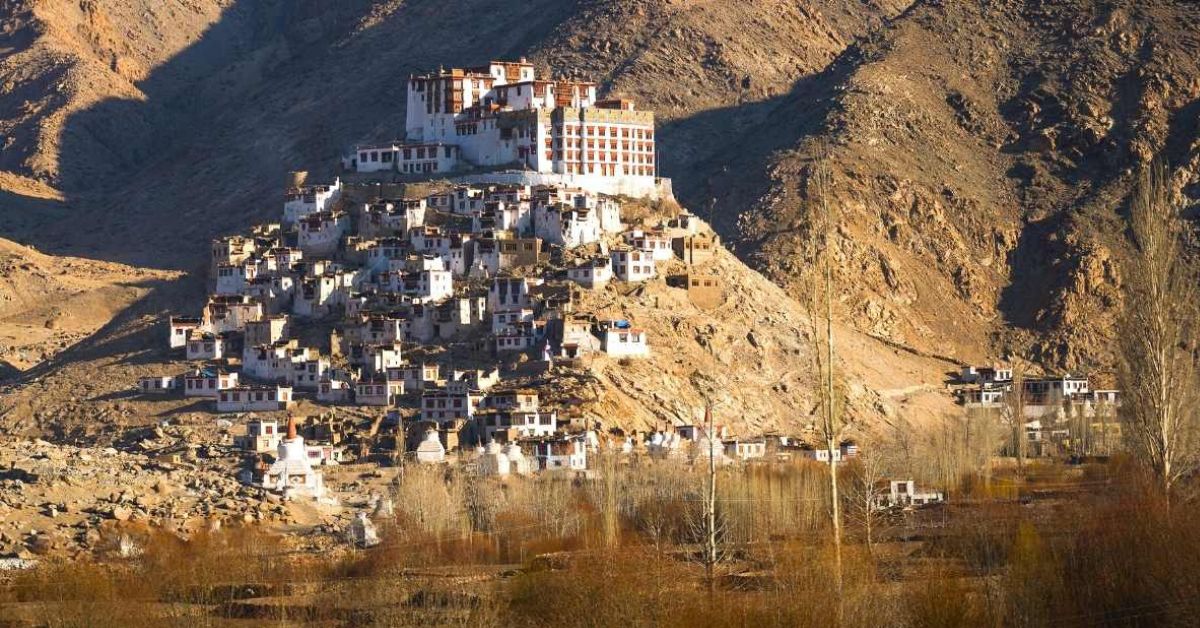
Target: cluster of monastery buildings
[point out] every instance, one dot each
(343, 300)
(502, 116)
(328, 304)
(1061, 414)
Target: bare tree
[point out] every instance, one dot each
(1157, 337)
(819, 303)
(1014, 414)
(710, 503)
(863, 493)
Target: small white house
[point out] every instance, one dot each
(254, 399)
(561, 454)
(375, 157)
(657, 244)
(746, 449)
(206, 347)
(906, 493)
(180, 328)
(494, 424)
(208, 382)
(620, 339)
(377, 391)
(158, 384)
(633, 265)
(506, 321)
(321, 233)
(508, 293)
(309, 199)
(333, 391)
(592, 273)
(261, 436)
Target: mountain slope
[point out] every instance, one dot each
(982, 153)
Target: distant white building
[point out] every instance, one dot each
(333, 391)
(261, 436)
(208, 382)
(656, 243)
(303, 201)
(180, 329)
(507, 293)
(500, 114)
(633, 265)
(568, 453)
(377, 391)
(322, 232)
(158, 384)
(375, 157)
(906, 493)
(206, 347)
(592, 273)
(566, 225)
(507, 321)
(746, 449)
(620, 339)
(254, 399)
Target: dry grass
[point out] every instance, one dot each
(1110, 556)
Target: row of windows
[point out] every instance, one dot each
(610, 131)
(375, 156)
(572, 155)
(610, 170)
(255, 396)
(646, 147)
(430, 404)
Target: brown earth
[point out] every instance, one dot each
(50, 303)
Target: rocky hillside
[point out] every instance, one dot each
(982, 153)
(50, 303)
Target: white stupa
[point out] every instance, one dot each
(663, 445)
(493, 461)
(518, 464)
(431, 450)
(293, 474)
(363, 532)
(704, 445)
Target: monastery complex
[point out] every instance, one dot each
(500, 118)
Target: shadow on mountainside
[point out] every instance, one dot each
(727, 178)
(271, 87)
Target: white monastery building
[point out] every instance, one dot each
(501, 115)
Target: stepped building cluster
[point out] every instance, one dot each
(352, 300)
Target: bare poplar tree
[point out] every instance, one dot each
(863, 494)
(710, 514)
(820, 295)
(1014, 413)
(1157, 338)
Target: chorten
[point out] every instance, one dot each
(493, 461)
(293, 474)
